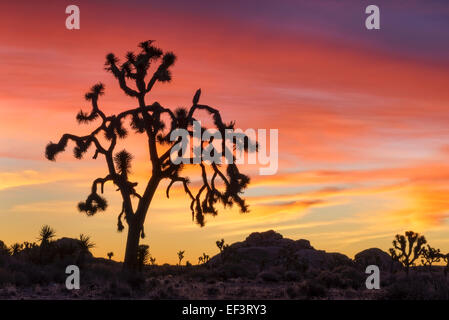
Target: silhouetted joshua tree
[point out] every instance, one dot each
(407, 249)
(16, 248)
(429, 256)
(46, 235)
(110, 255)
(148, 119)
(153, 261)
(203, 259)
(220, 244)
(180, 256)
(85, 244)
(143, 255)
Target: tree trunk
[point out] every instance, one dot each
(136, 223)
(132, 245)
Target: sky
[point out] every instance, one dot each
(362, 117)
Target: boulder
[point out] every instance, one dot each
(264, 250)
(375, 256)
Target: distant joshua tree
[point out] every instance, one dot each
(220, 244)
(407, 249)
(110, 255)
(16, 248)
(180, 256)
(46, 235)
(85, 243)
(429, 256)
(143, 255)
(156, 123)
(153, 261)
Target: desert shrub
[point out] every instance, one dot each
(233, 270)
(291, 292)
(21, 279)
(350, 276)
(331, 280)
(212, 291)
(268, 276)
(292, 276)
(6, 277)
(312, 289)
(119, 289)
(418, 287)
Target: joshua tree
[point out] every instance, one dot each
(180, 256)
(16, 248)
(406, 249)
(220, 244)
(156, 123)
(46, 235)
(85, 243)
(203, 259)
(429, 256)
(143, 254)
(153, 261)
(110, 255)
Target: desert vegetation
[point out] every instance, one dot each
(263, 266)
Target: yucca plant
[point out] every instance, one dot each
(46, 235)
(180, 256)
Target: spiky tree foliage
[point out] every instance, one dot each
(85, 242)
(407, 249)
(220, 244)
(151, 121)
(16, 248)
(203, 259)
(180, 256)
(143, 255)
(429, 256)
(110, 255)
(46, 235)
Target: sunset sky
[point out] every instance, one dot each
(362, 117)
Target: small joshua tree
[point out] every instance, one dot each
(143, 255)
(180, 256)
(151, 121)
(429, 256)
(203, 259)
(407, 249)
(46, 235)
(110, 255)
(220, 244)
(85, 244)
(153, 261)
(16, 248)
